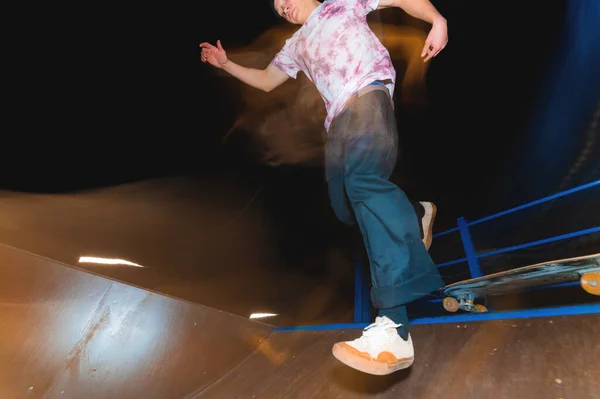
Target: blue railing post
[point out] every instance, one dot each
(362, 305)
(470, 253)
(362, 301)
(366, 305)
(358, 290)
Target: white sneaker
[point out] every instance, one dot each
(427, 222)
(379, 351)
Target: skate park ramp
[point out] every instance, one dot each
(69, 333)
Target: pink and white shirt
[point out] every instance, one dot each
(338, 52)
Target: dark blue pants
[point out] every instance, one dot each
(360, 155)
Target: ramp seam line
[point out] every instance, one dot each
(116, 280)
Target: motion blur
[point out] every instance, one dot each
(285, 126)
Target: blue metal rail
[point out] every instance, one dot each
(472, 257)
(362, 302)
(572, 310)
(524, 206)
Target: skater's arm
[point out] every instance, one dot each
(263, 79)
(424, 10)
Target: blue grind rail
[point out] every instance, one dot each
(541, 242)
(572, 310)
(524, 206)
(361, 291)
(526, 245)
(472, 258)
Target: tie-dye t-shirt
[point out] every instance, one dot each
(338, 52)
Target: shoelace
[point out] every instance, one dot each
(378, 328)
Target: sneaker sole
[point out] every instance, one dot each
(428, 225)
(363, 362)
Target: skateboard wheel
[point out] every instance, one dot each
(590, 282)
(480, 309)
(450, 304)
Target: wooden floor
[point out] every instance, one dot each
(530, 358)
(66, 333)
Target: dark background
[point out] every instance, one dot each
(126, 85)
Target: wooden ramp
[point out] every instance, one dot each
(537, 358)
(66, 333)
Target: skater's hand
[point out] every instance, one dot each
(215, 56)
(436, 40)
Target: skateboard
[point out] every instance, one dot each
(463, 294)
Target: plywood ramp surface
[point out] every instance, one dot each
(69, 334)
(529, 358)
(65, 333)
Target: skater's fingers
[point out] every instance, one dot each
(207, 46)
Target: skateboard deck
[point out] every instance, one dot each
(463, 294)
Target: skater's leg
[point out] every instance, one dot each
(401, 268)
